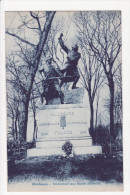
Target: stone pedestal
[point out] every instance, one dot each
(59, 123)
(74, 96)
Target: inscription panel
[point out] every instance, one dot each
(58, 123)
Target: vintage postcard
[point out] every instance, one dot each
(64, 100)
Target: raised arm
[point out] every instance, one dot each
(63, 46)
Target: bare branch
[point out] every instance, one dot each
(24, 41)
(37, 19)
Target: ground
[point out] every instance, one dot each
(93, 169)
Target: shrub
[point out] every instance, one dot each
(102, 137)
(67, 148)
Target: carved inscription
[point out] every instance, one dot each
(63, 132)
(83, 132)
(48, 124)
(76, 123)
(62, 113)
(64, 123)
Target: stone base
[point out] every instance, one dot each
(57, 143)
(59, 123)
(88, 150)
(58, 151)
(47, 147)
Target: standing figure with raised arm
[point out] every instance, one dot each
(70, 67)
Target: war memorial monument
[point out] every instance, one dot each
(64, 117)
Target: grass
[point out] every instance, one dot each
(106, 168)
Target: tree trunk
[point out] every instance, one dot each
(97, 111)
(16, 130)
(23, 116)
(13, 129)
(111, 89)
(33, 66)
(35, 124)
(35, 129)
(91, 116)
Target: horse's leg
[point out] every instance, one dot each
(75, 82)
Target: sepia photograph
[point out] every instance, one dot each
(64, 100)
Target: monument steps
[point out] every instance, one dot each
(58, 143)
(58, 151)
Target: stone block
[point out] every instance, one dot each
(88, 150)
(58, 151)
(59, 123)
(76, 142)
(74, 96)
(63, 121)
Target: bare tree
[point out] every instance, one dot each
(30, 56)
(34, 110)
(12, 95)
(12, 110)
(91, 70)
(118, 100)
(52, 40)
(92, 78)
(102, 31)
(97, 107)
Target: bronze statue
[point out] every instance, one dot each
(51, 84)
(68, 73)
(70, 67)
